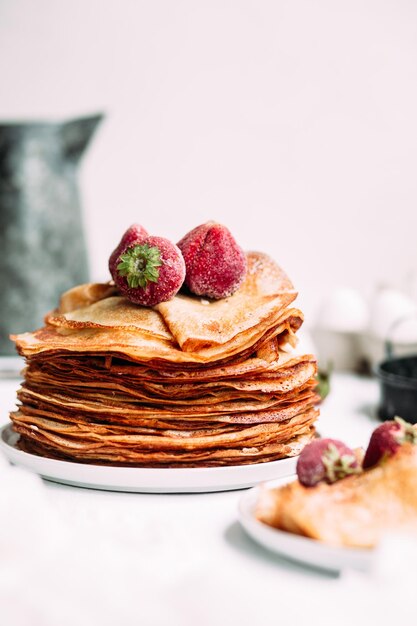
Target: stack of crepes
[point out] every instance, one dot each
(188, 383)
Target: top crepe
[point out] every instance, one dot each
(186, 330)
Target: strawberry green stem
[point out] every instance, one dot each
(407, 432)
(338, 465)
(140, 265)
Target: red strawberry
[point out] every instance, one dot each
(134, 234)
(325, 460)
(216, 265)
(386, 439)
(150, 272)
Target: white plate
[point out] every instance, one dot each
(143, 480)
(295, 547)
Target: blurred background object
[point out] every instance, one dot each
(392, 322)
(341, 319)
(397, 373)
(42, 241)
(352, 333)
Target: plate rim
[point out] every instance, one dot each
(319, 554)
(181, 480)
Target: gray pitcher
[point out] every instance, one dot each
(42, 244)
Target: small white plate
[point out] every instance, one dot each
(296, 547)
(144, 480)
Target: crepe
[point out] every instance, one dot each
(240, 447)
(113, 312)
(355, 511)
(141, 346)
(185, 329)
(190, 382)
(199, 324)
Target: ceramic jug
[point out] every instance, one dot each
(42, 244)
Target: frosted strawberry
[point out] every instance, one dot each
(150, 272)
(216, 265)
(386, 439)
(325, 460)
(134, 234)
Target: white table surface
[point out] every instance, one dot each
(77, 556)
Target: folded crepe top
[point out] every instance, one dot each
(187, 329)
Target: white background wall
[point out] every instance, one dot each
(292, 122)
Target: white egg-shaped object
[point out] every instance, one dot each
(391, 314)
(344, 309)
